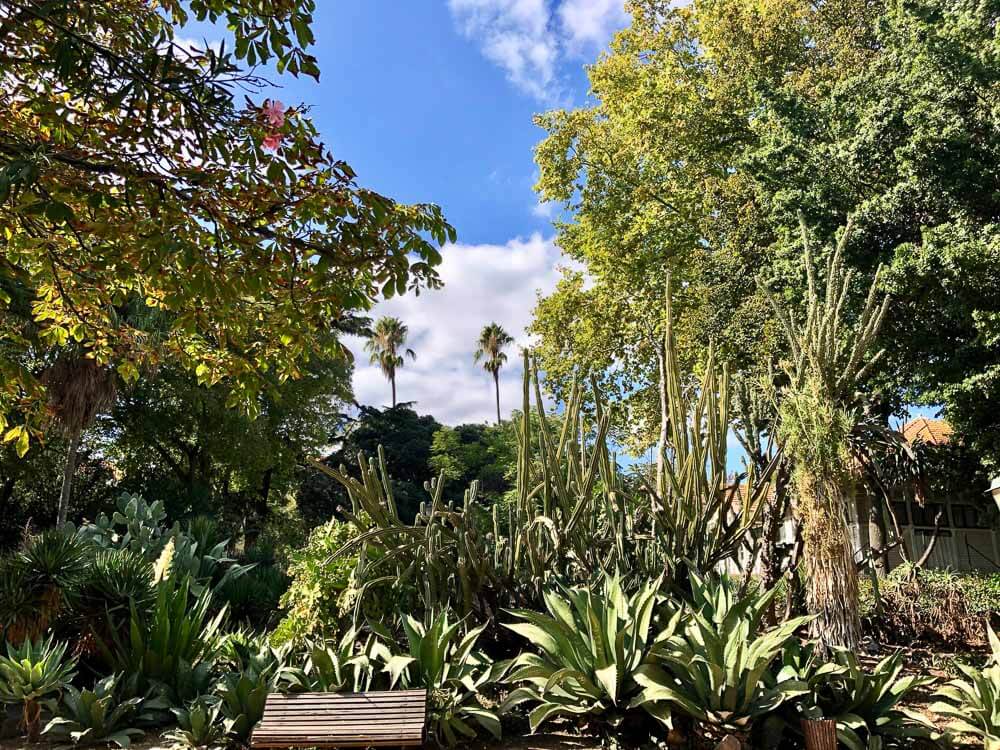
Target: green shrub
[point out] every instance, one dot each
(593, 642)
(19, 602)
(865, 704)
(97, 717)
(931, 605)
(712, 669)
(317, 602)
(454, 673)
(342, 667)
(171, 647)
(32, 676)
(200, 726)
(973, 704)
(253, 597)
(114, 581)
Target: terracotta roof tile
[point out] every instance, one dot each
(930, 431)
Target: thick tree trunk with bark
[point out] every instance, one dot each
(67, 483)
(832, 577)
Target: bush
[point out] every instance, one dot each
(973, 704)
(97, 717)
(317, 601)
(254, 597)
(32, 676)
(936, 606)
(171, 648)
(593, 641)
(712, 668)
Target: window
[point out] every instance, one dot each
(925, 516)
(966, 517)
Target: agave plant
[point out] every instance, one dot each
(171, 647)
(342, 666)
(256, 670)
(447, 664)
(593, 642)
(866, 704)
(97, 717)
(54, 562)
(713, 667)
(200, 726)
(33, 675)
(19, 602)
(973, 704)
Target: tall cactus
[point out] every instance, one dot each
(700, 516)
(573, 515)
(817, 413)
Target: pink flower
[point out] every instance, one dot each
(274, 113)
(271, 141)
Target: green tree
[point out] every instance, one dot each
(484, 453)
(714, 123)
(385, 345)
(404, 436)
(493, 339)
(179, 442)
(137, 170)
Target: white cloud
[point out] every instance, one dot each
(545, 209)
(591, 23)
(529, 39)
(515, 35)
(483, 283)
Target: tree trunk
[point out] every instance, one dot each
(392, 379)
(6, 493)
(832, 588)
(877, 537)
(773, 520)
(661, 445)
(67, 482)
(496, 383)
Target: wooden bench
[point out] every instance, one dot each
(396, 718)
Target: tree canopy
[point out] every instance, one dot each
(140, 172)
(716, 122)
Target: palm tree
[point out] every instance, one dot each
(78, 390)
(385, 345)
(493, 339)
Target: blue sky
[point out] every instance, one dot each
(432, 101)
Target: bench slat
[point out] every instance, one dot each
(332, 720)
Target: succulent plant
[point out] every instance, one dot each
(33, 675)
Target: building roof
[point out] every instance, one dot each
(930, 431)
